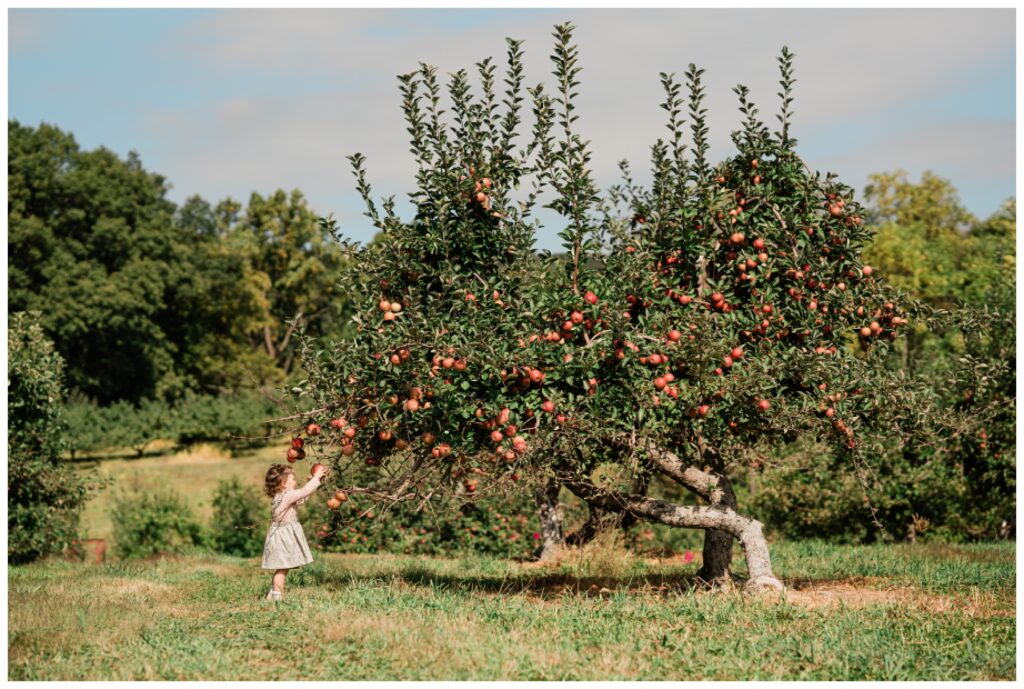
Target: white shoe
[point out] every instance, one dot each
(273, 595)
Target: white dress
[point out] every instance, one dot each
(285, 546)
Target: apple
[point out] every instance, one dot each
(297, 443)
(737, 353)
(313, 429)
(590, 298)
(333, 504)
(764, 405)
(341, 496)
(312, 469)
(674, 335)
(412, 405)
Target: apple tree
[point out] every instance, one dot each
(688, 323)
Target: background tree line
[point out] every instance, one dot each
(147, 300)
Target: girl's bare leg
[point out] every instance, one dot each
(278, 580)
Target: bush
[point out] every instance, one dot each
(240, 515)
(154, 523)
(44, 499)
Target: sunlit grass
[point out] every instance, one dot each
(885, 612)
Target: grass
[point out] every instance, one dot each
(192, 473)
(853, 613)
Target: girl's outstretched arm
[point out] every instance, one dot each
(293, 496)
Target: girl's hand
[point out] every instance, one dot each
(320, 472)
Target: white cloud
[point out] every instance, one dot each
(851, 65)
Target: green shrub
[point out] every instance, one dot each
(154, 523)
(810, 493)
(240, 516)
(44, 499)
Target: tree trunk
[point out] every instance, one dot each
(713, 517)
(552, 541)
(718, 544)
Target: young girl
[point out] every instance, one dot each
(285, 547)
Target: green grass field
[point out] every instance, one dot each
(855, 613)
(925, 611)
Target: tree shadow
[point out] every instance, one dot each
(539, 584)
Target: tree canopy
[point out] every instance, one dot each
(143, 299)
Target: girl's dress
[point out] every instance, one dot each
(285, 546)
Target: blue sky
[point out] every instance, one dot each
(227, 102)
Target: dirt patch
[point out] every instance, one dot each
(859, 594)
(133, 587)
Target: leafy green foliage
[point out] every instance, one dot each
(146, 300)
(497, 526)
(239, 515)
(153, 524)
(44, 500)
(234, 420)
(237, 421)
(962, 482)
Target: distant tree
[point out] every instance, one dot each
(298, 262)
(90, 249)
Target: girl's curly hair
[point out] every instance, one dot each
(275, 479)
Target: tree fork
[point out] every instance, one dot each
(713, 486)
(748, 531)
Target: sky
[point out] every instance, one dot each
(234, 101)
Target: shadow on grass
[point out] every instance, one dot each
(552, 584)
